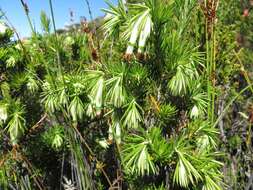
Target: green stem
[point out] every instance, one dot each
(52, 15)
(89, 9)
(27, 16)
(213, 68)
(59, 64)
(36, 39)
(208, 57)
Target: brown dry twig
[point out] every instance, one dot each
(38, 124)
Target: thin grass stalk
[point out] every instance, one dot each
(213, 68)
(207, 65)
(93, 154)
(52, 15)
(120, 162)
(59, 63)
(81, 166)
(4, 179)
(208, 61)
(210, 57)
(72, 168)
(89, 9)
(246, 76)
(56, 37)
(215, 5)
(83, 141)
(26, 10)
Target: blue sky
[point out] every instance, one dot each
(14, 11)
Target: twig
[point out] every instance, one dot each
(117, 180)
(38, 123)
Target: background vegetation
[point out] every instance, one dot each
(155, 95)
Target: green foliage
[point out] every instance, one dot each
(115, 17)
(183, 61)
(45, 22)
(142, 152)
(167, 112)
(198, 99)
(132, 117)
(96, 87)
(137, 157)
(54, 137)
(16, 124)
(185, 172)
(76, 108)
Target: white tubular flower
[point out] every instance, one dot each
(3, 28)
(194, 112)
(124, 2)
(141, 29)
(130, 49)
(118, 133)
(110, 133)
(108, 16)
(98, 99)
(145, 34)
(103, 143)
(134, 35)
(133, 38)
(124, 5)
(3, 113)
(90, 111)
